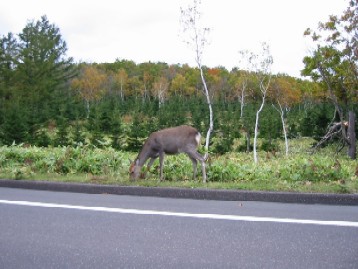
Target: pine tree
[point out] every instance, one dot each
(43, 69)
(15, 128)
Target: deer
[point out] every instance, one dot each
(171, 141)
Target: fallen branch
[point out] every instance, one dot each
(334, 130)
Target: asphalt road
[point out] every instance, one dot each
(44, 229)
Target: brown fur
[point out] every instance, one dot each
(175, 140)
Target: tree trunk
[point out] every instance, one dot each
(282, 115)
(87, 108)
(121, 91)
(284, 133)
(211, 117)
(352, 136)
(242, 100)
(257, 128)
(335, 102)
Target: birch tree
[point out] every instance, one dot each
(260, 65)
(284, 95)
(195, 36)
(146, 82)
(160, 88)
(90, 85)
(121, 78)
(241, 89)
(280, 103)
(242, 84)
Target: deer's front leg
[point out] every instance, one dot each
(151, 161)
(148, 167)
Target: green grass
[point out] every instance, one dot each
(323, 172)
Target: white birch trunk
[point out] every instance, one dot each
(285, 134)
(87, 108)
(242, 100)
(264, 89)
(280, 110)
(257, 128)
(242, 105)
(211, 124)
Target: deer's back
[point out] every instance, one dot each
(176, 139)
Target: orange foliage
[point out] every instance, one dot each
(214, 71)
(285, 91)
(90, 84)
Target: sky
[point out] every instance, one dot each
(150, 30)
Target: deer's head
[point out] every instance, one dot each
(135, 170)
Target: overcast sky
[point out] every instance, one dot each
(149, 30)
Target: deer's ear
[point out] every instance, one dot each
(135, 162)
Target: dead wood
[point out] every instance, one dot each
(333, 131)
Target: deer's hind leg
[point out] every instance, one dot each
(194, 155)
(195, 164)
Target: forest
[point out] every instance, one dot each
(47, 100)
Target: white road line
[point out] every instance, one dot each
(185, 215)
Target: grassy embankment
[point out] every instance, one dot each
(301, 171)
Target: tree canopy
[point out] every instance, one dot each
(334, 62)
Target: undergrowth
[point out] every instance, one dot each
(299, 171)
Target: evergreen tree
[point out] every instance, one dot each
(116, 130)
(15, 127)
(136, 134)
(78, 137)
(62, 132)
(8, 62)
(94, 126)
(42, 138)
(43, 68)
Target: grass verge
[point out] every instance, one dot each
(323, 172)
